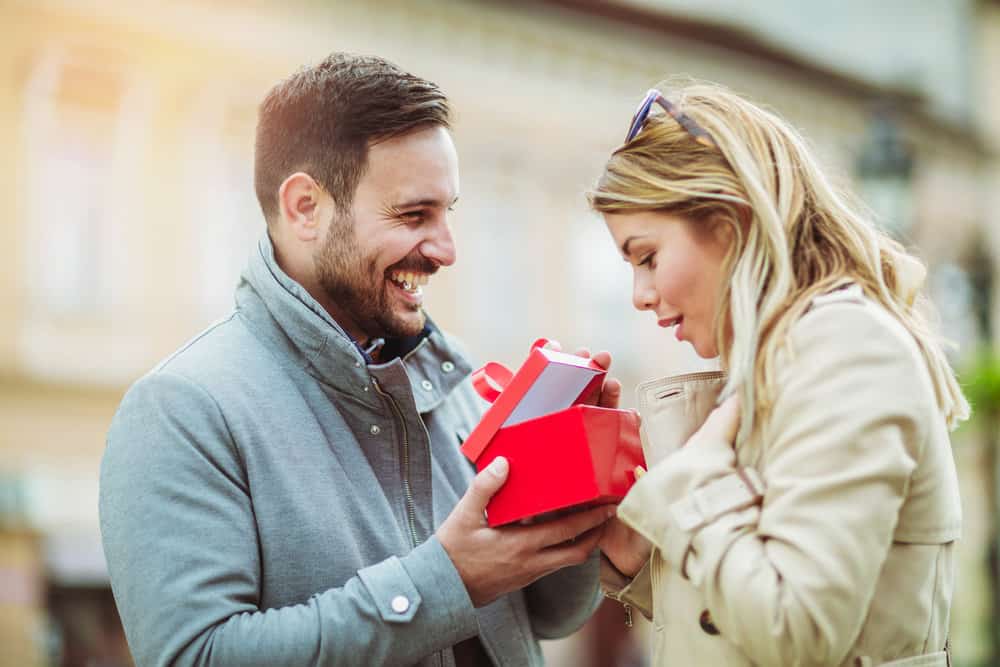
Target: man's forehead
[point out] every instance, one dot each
(414, 187)
(420, 167)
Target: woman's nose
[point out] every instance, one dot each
(643, 294)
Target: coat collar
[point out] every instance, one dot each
(283, 312)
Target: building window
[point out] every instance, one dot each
(71, 118)
(86, 128)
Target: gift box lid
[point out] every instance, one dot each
(548, 381)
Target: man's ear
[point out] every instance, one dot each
(299, 205)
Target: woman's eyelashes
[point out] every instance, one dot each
(649, 260)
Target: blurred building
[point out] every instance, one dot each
(129, 210)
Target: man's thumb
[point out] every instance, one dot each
(488, 482)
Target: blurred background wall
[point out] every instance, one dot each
(127, 212)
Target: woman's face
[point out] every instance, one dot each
(677, 266)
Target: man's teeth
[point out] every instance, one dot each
(410, 281)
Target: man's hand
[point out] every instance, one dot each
(495, 561)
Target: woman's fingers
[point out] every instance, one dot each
(724, 422)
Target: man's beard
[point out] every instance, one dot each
(353, 282)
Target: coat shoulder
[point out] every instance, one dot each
(856, 358)
(854, 333)
(218, 355)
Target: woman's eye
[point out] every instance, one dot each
(648, 260)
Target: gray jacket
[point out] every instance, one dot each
(269, 498)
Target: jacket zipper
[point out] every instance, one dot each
(411, 512)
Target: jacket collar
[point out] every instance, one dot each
(283, 312)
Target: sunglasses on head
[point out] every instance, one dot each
(696, 131)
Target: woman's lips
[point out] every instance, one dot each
(673, 322)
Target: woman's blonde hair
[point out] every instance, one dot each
(795, 235)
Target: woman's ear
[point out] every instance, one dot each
(731, 227)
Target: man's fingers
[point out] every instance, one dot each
(569, 527)
(571, 553)
(485, 484)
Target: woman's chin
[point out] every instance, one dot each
(705, 350)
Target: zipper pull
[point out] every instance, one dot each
(628, 615)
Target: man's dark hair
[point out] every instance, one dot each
(322, 119)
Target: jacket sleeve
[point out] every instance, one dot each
(790, 580)
(177, 521)
(560, 603)
(636, 591)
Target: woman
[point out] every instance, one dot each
(810, 518)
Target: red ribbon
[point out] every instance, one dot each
(494, 377)
(491, 379)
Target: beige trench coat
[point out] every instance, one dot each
(827, 538)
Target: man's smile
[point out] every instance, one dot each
(409, 281)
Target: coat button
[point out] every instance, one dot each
(400, 604)
(447, 367)
(705, 621)
(426, 384)
(375, 429)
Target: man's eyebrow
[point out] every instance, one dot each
(415, 203)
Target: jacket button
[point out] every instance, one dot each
(400, 604)
(447, 367)
(375, 429)
(705, 621)
(426, 384)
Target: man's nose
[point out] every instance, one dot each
(439, 246)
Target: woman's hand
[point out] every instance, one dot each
(723, 423)
(627, 550)
(611, 390)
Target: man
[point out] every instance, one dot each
(287, 488)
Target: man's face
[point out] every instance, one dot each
(373, 264)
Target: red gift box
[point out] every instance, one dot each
(563, 450)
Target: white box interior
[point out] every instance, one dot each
(555, 389)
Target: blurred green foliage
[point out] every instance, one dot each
(981, 383)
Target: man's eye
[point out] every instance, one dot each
(412, 216)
